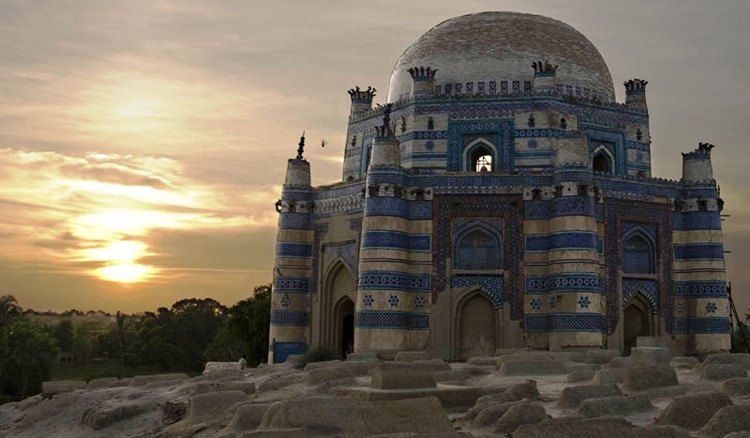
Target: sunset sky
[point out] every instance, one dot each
(143, 143)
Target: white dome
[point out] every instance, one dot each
(500, 46)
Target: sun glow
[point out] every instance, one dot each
(125, 272)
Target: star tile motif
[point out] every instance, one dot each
(711, 307)
(536, 304)
(393, 300)
(419, 302)
(286, 301)
(584, 302)
(367, 300)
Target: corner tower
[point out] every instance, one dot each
(701, 301)
(293, 266)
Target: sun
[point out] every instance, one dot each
(125, 272)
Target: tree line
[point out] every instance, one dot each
(181, 338)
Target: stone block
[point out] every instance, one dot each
(222, 368)
(532, 368)
(519, 391)
(104, 382)
(722, 371)
(573, 396)
(327, 386)
(411, 356)
(601, 356)
(487, 414)
(520, 414)
(452, 375)
(54, 387)
(321, 415)
(312, 366)
(736, 386)
(402, 375)
(684, 362)
(422, 416)
(619, 405)
(574, 427)
(642, 377)
(363, 357)
(101, 417)
(609, 376)
(320, 375)
(726, 358)
(693, 411)
(157, 378)
(727, 420)
(650, 356)
(246, 417)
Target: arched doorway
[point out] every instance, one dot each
(344, 327)
(637, 323)
(477, 328)
(337, 301)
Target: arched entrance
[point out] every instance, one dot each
(344, 323)
(337, 301)
(477, 327)
(637, 323)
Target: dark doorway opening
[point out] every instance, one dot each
(345, 320)
(636, 324)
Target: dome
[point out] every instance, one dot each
(500, 46)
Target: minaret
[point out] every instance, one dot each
(573, 280)
(700, 309)
(545, 77)
(423, 81)
(383, 299)
(361, 99)
(293, 270)
(635, 94)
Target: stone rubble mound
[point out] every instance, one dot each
(578, 393)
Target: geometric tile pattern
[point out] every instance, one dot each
(701, 289)
(647, 289)
(394, 281)
(282, 350)
(392, 319)
(564, 322)
(291, 318)
(701, 325)
(491, 286)
(293, 285)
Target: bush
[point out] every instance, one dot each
(316, 354)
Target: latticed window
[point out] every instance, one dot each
(478, 250)
(637, 256)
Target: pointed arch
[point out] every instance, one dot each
(476, 325)
(477, 246)
(602, 160)
(339, 284)
(475, 151)
(638, 252)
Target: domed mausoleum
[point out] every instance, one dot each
(501, 199)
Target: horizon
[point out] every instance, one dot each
(143, 145)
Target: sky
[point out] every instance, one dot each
(144, 143)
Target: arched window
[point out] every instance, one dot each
(563, 124)
(478, 250)
(638, 256)
(602, 163)
(481, 160)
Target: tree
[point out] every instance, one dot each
(120, 318)
(31, 353)
(9, 311)
(176, 339)
(64, 334)
(250, 320)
